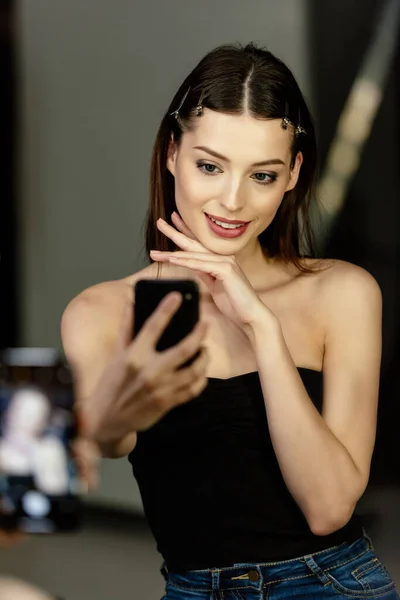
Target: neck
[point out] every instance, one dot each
(253, 262)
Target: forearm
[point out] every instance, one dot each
(318, 470)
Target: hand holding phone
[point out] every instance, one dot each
(162, 367)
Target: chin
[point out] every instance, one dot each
(223, 247)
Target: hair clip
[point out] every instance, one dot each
(286, 121)
(175, 113)
(299, 129)
(199, 107)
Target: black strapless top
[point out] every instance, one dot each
(211, 485)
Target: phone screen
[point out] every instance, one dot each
(38, 477)
(148, 295)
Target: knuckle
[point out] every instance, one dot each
(197, 387)
(145, 381)
(184, 352)
(132, 363)
(197, 368)
(159, 401)
(181, 397)
(193, 341)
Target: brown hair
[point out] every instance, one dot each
(228, 79)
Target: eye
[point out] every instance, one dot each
(264, 178)
(207, 168)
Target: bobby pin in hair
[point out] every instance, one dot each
(199, 107)
(298, 129)
(175, 113)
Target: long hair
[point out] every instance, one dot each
(232, 79)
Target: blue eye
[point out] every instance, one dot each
(264, 178)
(207, 168)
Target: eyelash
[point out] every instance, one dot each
(201, 164)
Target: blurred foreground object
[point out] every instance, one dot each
(12, 589)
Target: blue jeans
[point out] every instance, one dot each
(340, 573)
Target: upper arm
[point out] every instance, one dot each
(85, 342)
(352, 359)
(90, 329)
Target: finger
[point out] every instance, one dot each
(87, 458)
(183, 385)
(185, 376)
(207, 279)
(162, 376)
(155, 325)
(165, 257)
(189, 393)
(215, 258)
(159, 256)
(218, 270)
(181, 240)
(181, 225)
(176, 356)
(126, 329)
(88, 475)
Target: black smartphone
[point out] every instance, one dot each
(148, 295)
(39, 482)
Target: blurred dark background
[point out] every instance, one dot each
(367, 231)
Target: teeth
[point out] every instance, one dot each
(226, 225)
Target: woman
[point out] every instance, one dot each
(251, 487)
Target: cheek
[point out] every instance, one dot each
(267, 201)
(190, 190)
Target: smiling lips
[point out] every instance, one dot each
(226, 228)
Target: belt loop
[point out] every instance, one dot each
(164, 571)
(312, 565)
(215, 579)
(368, 540)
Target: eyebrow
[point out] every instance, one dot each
(263, 163)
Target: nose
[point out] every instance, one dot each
(232, 198)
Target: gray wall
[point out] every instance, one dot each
(95, 78)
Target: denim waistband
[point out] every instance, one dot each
(257, 575)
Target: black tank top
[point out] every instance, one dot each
(211, 485)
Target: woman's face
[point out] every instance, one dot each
(232, 168)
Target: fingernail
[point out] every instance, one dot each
(155, 252)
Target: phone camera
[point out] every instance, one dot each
(188, 296)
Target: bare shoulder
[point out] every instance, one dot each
(339, 276)
(94, 316)
(345, 288)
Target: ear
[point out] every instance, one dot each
(295, 172)
(171, 156)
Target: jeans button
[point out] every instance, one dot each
(254, 575)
